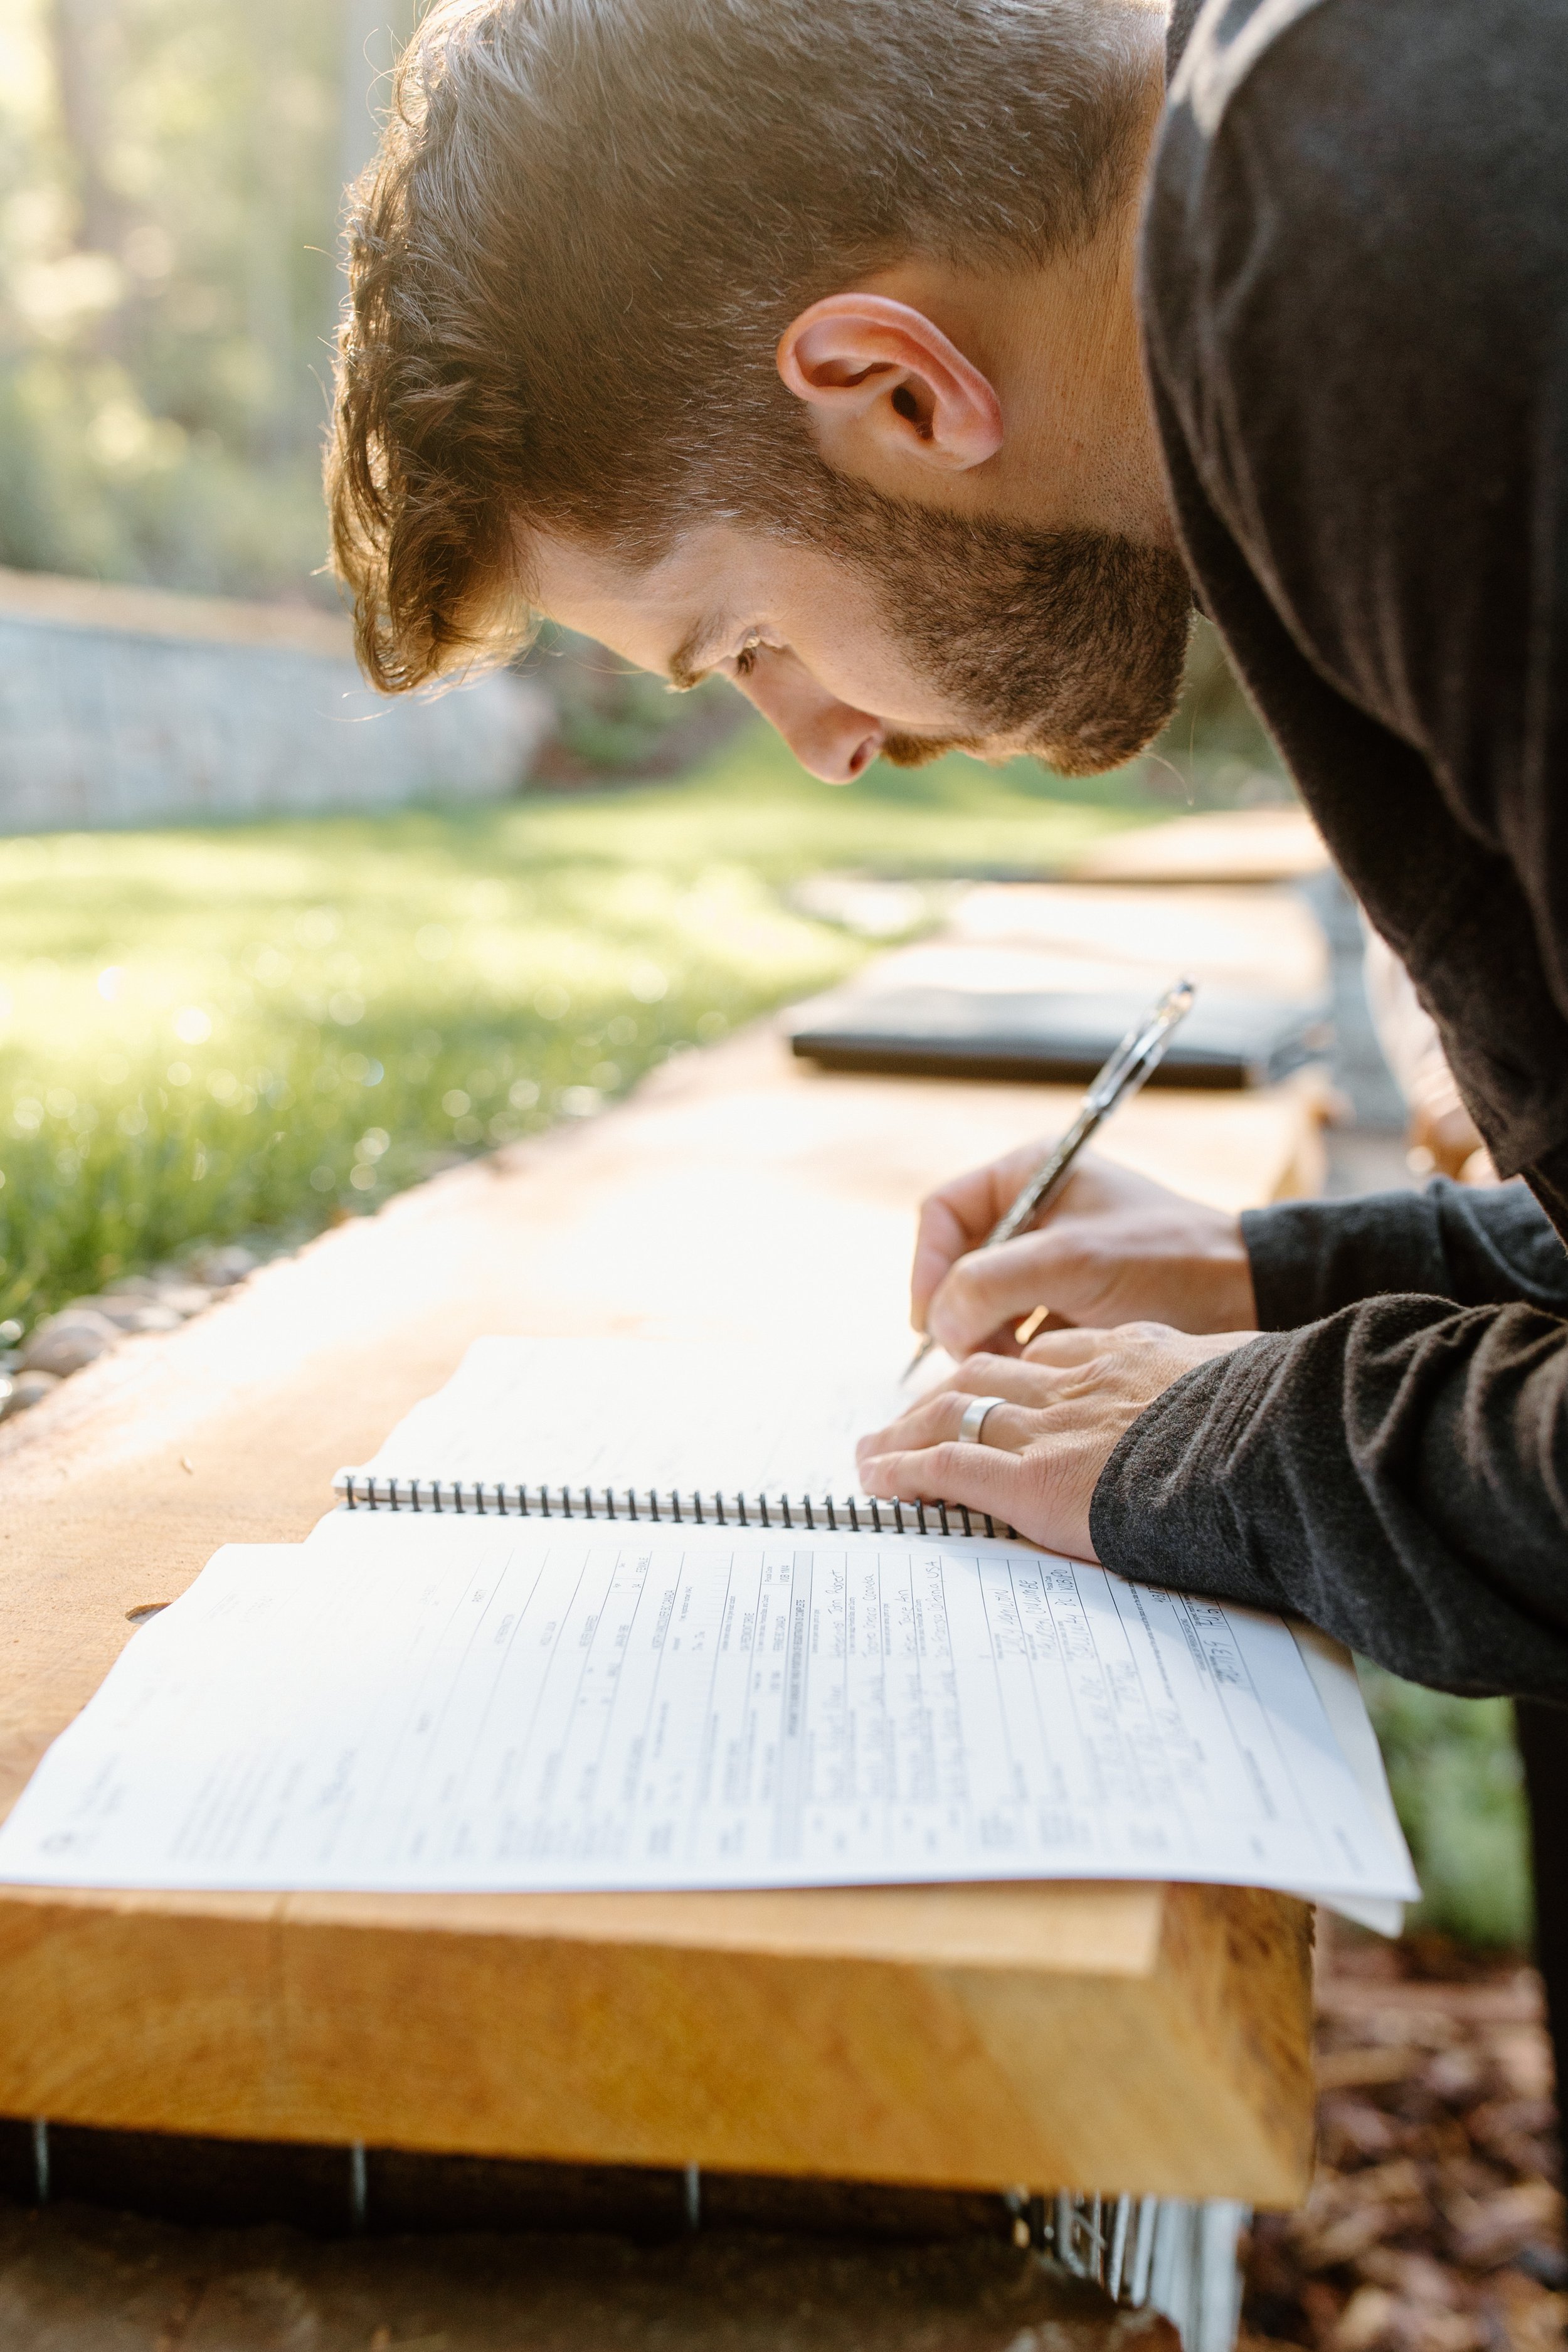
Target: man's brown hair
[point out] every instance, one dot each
(589, 223)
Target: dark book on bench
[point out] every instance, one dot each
(1055, 1037)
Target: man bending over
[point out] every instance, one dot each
(915, 363)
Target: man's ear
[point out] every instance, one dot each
(885, 384)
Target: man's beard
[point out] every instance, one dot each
(1066, 644)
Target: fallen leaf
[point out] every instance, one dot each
(1353, 2070)
(1486, 2231)
(1365, 2321)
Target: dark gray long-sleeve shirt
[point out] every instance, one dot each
(1389, 1461)
(1354, 291)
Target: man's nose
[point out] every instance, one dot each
(831, 739)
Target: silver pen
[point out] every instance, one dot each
(1139, 1055)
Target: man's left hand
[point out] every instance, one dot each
(1068, 1400)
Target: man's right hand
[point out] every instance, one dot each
(1113, 1248)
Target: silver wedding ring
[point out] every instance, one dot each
(973, 1421)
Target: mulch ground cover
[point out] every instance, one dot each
(1435, 2222)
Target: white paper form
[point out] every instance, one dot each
(401, 1704)
(662, 1414)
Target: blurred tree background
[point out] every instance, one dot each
(171, 176)
(169, 190)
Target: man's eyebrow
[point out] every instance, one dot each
(690, 662)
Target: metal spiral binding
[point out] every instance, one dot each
(813, 1514)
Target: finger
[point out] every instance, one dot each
(1024, 1388)
(942, 1240)
(957, 1218)
(923, 1425)
(995, 1289)
(979, 1476)
(1073, 1344)
(1084, 1341)
(939, 1420)
(988, 1373)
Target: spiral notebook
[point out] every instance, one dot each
(446, 1687)
(686, 1432)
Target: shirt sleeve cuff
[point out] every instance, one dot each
(1309, 1258)
(1163, 1510)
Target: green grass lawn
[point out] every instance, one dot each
(208, 1031)
(1457, 1783)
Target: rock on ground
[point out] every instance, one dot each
(63, 1343)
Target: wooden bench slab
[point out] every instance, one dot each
(1125, 2038)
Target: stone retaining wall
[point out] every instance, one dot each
(126, 707)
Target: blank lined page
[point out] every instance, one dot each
(666, 1414)
(413, 1703)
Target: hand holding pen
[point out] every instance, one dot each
(1138, 1055)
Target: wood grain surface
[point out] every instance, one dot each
(1133, 2038)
